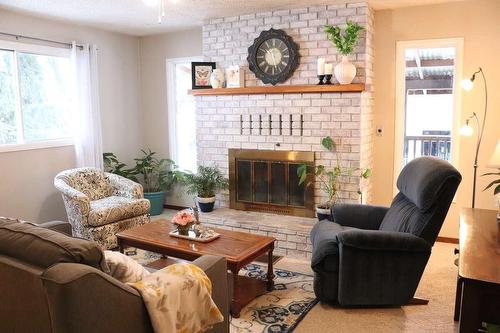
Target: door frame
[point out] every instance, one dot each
(399, 119)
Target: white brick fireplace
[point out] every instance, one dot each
(346, 117)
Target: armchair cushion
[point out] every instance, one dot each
(359, 216)
(112, 209)
(90, 181)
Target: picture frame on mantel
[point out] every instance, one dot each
(200, 74)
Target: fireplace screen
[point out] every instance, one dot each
(266, 180)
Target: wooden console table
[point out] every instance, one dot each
(478, 290)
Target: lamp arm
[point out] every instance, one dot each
(481, 131)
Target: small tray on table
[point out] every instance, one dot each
(192, 236)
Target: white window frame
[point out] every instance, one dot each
(401, 46)
(37, 50)
(172, 102)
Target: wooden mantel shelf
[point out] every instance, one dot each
(292, 89)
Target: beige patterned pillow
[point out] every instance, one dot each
(123, 268)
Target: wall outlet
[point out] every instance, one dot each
(379, 130)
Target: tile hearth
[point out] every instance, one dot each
(291, 232)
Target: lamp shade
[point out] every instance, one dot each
(467, 84)
(495, 158)
(466, 130)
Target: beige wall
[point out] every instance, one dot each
(154, 52)
(478, 23)
(26, 188)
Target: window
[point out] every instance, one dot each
(426, 100)
(181, 113)
(35, 95)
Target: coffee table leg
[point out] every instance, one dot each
(270, 271)
(236, 302)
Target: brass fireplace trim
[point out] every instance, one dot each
(269, 156)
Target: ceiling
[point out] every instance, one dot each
(134, 18)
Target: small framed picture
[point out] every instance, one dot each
(200, 74)
(235, 77)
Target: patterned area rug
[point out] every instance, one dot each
(278, 311)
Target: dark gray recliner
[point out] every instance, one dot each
(375, 255)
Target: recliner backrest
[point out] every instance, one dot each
(426, 186)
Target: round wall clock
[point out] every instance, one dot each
(273, 57)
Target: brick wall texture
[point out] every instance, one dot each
(346, 117)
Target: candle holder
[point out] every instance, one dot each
(328, 79)
(321, 78)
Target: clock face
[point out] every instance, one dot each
(273, 56)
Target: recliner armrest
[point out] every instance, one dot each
(383, 240)
(359, 216)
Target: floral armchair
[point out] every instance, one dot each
(101, 204)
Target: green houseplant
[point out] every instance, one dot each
(344, 71)
(205, 184)
(157, 175)
(496, 191)
(329, 179)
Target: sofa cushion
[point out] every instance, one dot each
(112, 209)
(43, 247)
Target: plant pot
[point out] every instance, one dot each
(345, 71)
(157, 199)
(324, 214)
(184, 229)
(206, 204)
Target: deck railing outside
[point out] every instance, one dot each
(427, 145)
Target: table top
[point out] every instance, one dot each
(235, 246)
(479, 245)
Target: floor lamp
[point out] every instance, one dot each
(467, 130)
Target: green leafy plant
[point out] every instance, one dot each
(113, 165)
(206, 182)
(156, 174)
(494, 182)
(344, 42)
(328, 179)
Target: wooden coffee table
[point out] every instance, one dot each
(239, 248)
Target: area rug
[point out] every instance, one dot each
(278, 311)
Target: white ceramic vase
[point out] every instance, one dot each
(217, 78)
(345, 71)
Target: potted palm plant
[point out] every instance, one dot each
(329, 179)
(157, 176)
(205, 184)
(344, 71)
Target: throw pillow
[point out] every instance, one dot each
(124, 268)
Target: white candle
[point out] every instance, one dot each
(328, 69)
(321, 66)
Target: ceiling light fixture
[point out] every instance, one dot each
(160, 4)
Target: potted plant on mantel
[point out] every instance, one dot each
(157, 176)
(344, 71)
(205, 184)
(329, 179)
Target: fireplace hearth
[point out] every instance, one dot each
(267, 181)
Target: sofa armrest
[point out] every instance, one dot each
(81, 298)
(383, 240)
(216, 270)
(59, 226)
(359, 216)
(124, 187)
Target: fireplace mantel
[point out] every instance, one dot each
(284, 89)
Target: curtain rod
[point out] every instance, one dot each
(69, 45)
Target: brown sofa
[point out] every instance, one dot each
(50, 282)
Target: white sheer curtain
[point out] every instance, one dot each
(87, 120)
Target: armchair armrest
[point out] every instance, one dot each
(383, 240)
(124, 187)
(79, 202)
(216, 270)
(359, 216)
(59, 226)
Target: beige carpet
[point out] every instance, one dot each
(438, 285)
